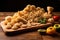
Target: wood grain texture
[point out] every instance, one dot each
(26, 36)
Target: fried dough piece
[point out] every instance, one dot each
(16, 26)
(8, 18)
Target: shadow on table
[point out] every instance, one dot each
(52, 35)
(19, 32)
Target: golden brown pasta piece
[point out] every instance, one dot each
(23, 26)
(27, 8)
(8, 26)
(29, 24)
(8, 18)
(38, 8)
(5, 22)
(16, 26)
(34, 24)
(46, 15)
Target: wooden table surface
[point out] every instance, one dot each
(26, 36)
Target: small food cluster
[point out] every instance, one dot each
(28, 17)
(50, 30)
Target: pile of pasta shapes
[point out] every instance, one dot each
(28, 18)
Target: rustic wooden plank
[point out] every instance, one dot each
(48, 37)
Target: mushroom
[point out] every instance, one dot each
(50, 20)
(50, 9)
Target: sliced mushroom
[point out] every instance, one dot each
(50, 20)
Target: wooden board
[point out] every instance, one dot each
(24, 29)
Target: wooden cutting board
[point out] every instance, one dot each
(24, 29)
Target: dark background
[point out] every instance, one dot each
(15, 5)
